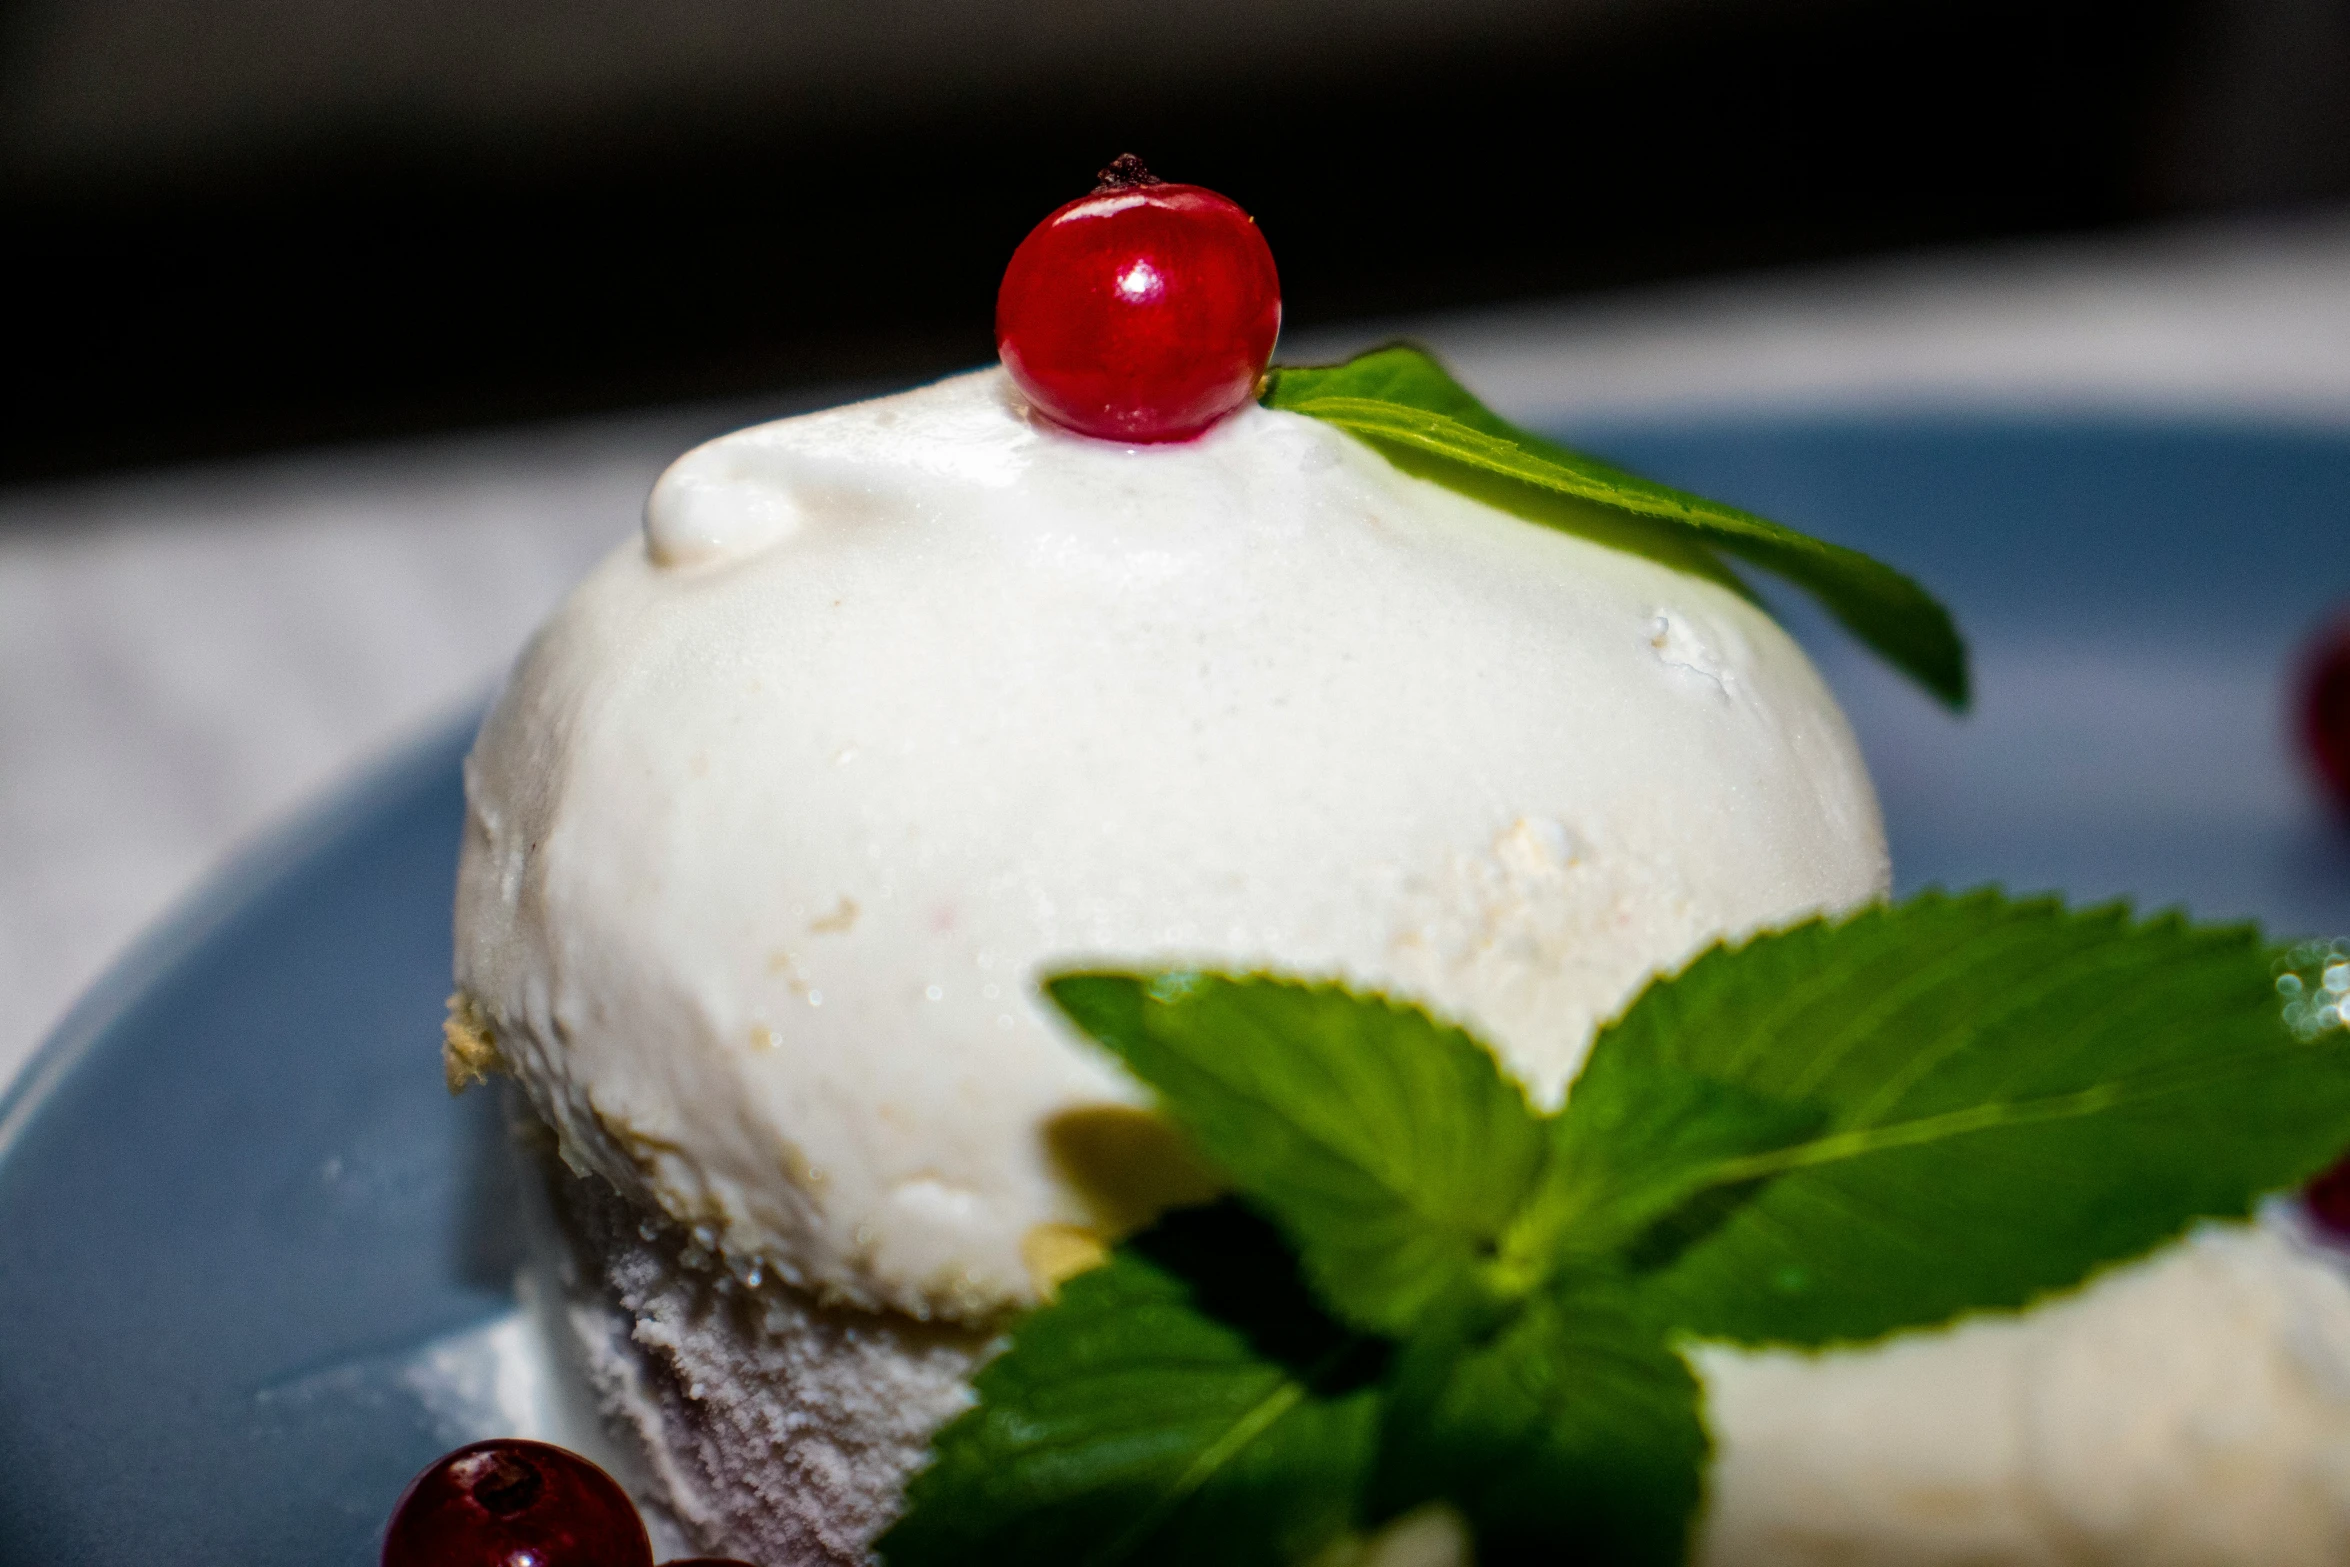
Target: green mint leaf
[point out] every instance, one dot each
(1390, 1148)
(2009, 1096)
(1400, 399)
(1564, 1430)
(1641, 1146)
(1184, 1403)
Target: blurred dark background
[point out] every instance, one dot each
(243, 224)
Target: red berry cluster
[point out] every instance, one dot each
(1142, 312)
(2323, 701)
(511, 1503)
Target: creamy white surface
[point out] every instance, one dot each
(2190, 1410)
(784, 812)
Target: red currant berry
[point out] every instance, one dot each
(511, 1503)
(1143, 312)
(2325, 710)
(2327, 1199)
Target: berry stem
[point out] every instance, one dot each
(1126, 172)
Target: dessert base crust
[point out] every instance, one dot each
(756, 1422)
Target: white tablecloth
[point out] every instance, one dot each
(186, 657)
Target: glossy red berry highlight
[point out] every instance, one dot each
(2325, 711)
(511, 1503)
(1143, 312)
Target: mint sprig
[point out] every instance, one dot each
(1822, 1135)
(1405, 403)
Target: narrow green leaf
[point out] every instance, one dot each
(1389, 1147)
(2008, 1096)
(1400, 399)
(1184, 1403)
(1565, 1430)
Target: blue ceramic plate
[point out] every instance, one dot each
(234, 1198)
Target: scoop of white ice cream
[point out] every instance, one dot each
(901, 704)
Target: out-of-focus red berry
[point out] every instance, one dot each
(511, 1503)
(2327, 1200)
(2325, 711)
(1143, 312)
